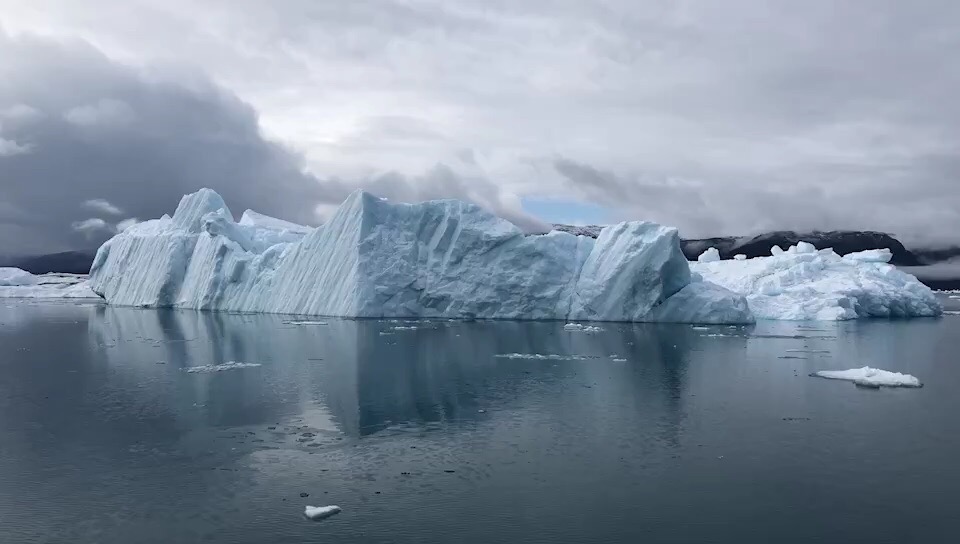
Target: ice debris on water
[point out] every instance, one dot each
(317, 513)
(541, 357)
(305, 322)
(577, 327)
(230, 365)
(871, 377)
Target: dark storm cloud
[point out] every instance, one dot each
(90, 143)
(96, 129)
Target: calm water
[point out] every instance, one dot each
(649, 434)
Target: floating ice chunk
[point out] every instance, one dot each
(871, 377)
(317, 513)
(10, 276)
(805, 284)
(776, 250)
(577, 327)
(374, 258)
(305, 322)
(739, 257)
(231, 365)
(541, 357)
(951, 312)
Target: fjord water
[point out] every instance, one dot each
(664, 433)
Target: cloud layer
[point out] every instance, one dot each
(718, 117)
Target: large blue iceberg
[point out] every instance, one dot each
(375, 258)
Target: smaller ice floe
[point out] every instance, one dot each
(577, 327)
(951, 312)
(402, 328)
(870, 377)
(10, 276)
(618, 360)
(305, 322)
(316, 513)
(808, 351)
(230, 365)
(700, 328)
(720, 335)
(541, 357)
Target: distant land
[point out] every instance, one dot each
(938, 268)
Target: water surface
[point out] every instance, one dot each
(428, 434)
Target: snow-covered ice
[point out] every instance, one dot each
(10, 276)
(16, 283)
(872, 377)
(805, 283)
(375, 258)
(316, 513)
(230, 365)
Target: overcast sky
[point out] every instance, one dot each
(728, 117)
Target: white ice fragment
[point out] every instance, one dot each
(951, 312)
(305, 322)
(317, 513)
(541, 357)
(711, 255)
(776, 250)
(872, 377)
(739, 257)
(231, 365)
(577, 327)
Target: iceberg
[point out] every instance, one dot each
(374, 258)
(803, 283)
(10, 276)
(871, 377)
(17, 283)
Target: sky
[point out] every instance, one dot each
(720, 118)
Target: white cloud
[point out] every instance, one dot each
(90, 226)
(102, 205)
(10, 148)
(126, 223)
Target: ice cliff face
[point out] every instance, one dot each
(806, 283)
(378, 259)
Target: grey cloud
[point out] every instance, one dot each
(97, 128)
(719, 117)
